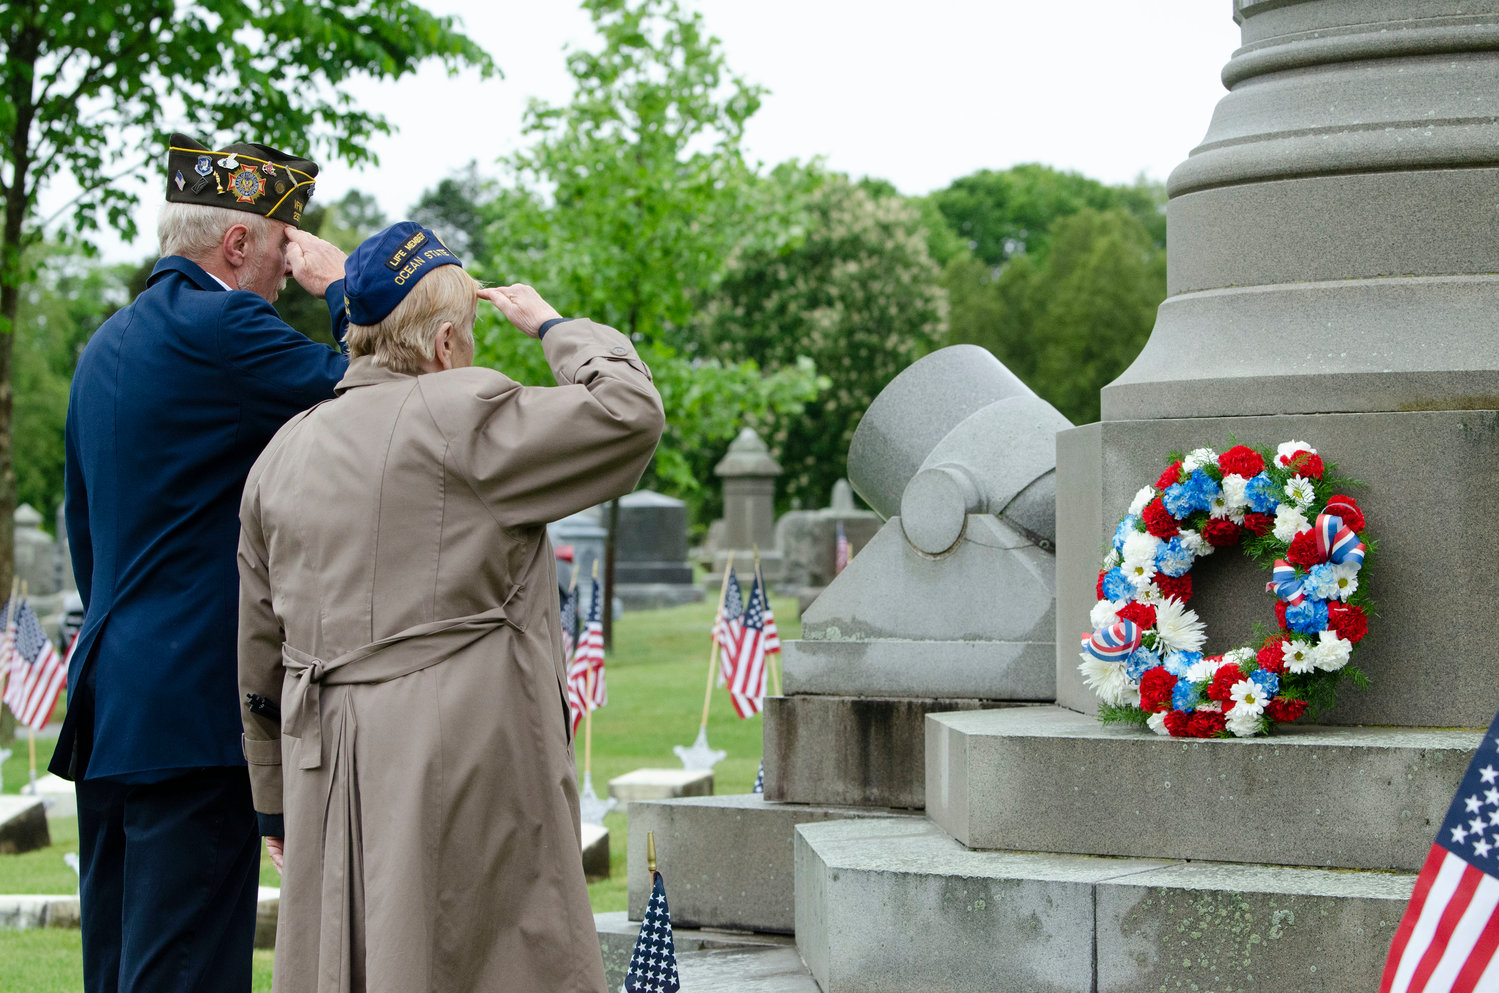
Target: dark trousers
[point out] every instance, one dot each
(167, 878)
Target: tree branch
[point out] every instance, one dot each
(134, 166)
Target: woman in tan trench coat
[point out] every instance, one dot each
(399, 609)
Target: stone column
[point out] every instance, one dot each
(1333, 251)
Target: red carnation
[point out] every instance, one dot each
(1271, 657)
(1303, 550)
(1142, 614)
(1176, 723)
(1220, 532)
(1305, 463)
(1242, 461)
(1283, 710)
(1346, 508)
(1155, 690)
(1170, 477)
(1158, 520)
(1221, 687)
(1099, 587)
(1347, 621)
(1280, 614)
(1259, 523)
(1206, 724)
(1174, 587)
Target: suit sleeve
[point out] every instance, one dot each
(75, 514)
(260, 669)
(538, 453)
(277, 371)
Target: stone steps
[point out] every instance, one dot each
(893, 906)
(1050, 779)
(727, 860)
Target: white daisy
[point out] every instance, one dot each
(1298, 656)
(1196, 543)
(1177, 627)
(1106, 678)
(1104, 613)
(1150, 594)
(1299, 491)
(1345, 578)
(1157, 723)
(1139, 557)
(1199, 457)
(1284, 452)
(1242, 723)
(1331, 652)
(1137, 505)
(1246, 694)
(1289, 522)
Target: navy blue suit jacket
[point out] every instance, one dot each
(172, 402)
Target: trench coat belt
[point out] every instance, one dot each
(416, 648)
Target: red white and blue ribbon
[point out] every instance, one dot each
(1285, 584)
(1336, 542)
(1113, 642)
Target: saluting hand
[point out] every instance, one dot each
(314, 263)
(522, 306)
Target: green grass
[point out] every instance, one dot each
(657, 673)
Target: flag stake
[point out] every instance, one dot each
(650, 851)
(723, 590)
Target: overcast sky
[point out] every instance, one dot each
(918, 93)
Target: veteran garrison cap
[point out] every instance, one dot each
(384, 268)
(244, 176)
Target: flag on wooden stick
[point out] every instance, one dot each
(1446, 941)
(747, 683)
(728, 625)
(38, 674)
(653, 965)
(585, 677)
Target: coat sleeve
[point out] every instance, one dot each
(278, 371)
(538, 453)
(260, 668)
(75, 513)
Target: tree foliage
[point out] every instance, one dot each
(86, 89)
(858, 294)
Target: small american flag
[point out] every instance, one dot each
(728, 625)
(1448, 937)
(772, 636)
(37, 673)
(841, 551)
(747, 684)
(759, 786)
(589, 658)
(653, 966)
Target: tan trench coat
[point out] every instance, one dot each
(399, 603)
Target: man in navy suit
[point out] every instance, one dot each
(172, 401)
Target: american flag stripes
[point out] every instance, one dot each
(569, 622)
(589, 658)
(747, 683)
(1448, 937)
(37, 673)
(653, 966)
(728, 625)
(772, 637)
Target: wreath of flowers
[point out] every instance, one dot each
(1143, 657)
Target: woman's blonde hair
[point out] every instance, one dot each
(407, 336)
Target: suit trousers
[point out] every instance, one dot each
(168, 874)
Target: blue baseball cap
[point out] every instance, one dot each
(383, 269)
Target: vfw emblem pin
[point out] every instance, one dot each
(247, 184)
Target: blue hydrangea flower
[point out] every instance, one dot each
(1205, 489)
(1116, 585)
(1124, 530)
(1178, 662)
(1262, 493)
(1267, 681)
(1322, 581)
(1174, 558)
(1185, 696)
(1139, 661)
(1307, 617)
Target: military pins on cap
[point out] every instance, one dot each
(248, 184)
(204, 166)
(229, 162)
(268, 168)
(179, 180)
(280, 187)
(200, 185)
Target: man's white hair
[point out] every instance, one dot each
(194, 230)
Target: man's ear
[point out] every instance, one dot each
(445, 345)
(235, 244)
